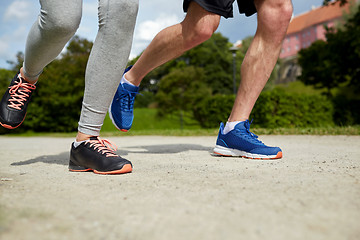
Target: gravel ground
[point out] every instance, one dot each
(178, 190)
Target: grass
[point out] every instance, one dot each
(147, 123)
(146, 119)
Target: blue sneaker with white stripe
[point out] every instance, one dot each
(121, 110)
(240, 142)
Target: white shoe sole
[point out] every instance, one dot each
(112, 119)
(229, 152)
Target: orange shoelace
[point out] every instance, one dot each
(19, 93)
(104, 146)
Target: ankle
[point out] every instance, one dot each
(82, 137)
(128, 77)
(31, 81)
(230, 119)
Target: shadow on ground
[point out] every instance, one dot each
(63, 158)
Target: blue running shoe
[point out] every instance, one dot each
(121, 110)
(240, 142)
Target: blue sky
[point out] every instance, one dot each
(17, 16)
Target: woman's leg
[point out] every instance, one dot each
(56, 24)
(107, 62)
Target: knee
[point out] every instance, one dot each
(63, 24)
(130, 8)
(285, 12)
(120, 13)
(198, 33)
(276, 14)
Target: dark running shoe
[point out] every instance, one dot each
(97, 155)
(14, 102)
(121, 110)
(240, 142)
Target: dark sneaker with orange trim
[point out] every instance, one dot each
(97, 155)
(14, 103)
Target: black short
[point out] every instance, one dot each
(224, 7)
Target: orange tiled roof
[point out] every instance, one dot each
(316, 16)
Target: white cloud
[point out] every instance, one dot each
(19, 11)
(17, 16)
(148, 29)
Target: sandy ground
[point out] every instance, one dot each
(178, 190)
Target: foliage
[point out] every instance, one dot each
(327, 2)
(144, 99)
(278, 108)
(213, 56)
(346, 110)
(5, 79)
(213, 109)
(56, 103)
(273, 109)
(181, 89)
(334, 63)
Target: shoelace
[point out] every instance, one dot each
(19, 93)
(127, 100)
(103, 146)
(249, 135)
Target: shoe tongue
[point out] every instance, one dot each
(94, 138)
(241, 125)
(131, 88)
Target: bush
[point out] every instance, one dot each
(144, 99)
(280, 109)
(346, 111)
(213, 110)
(55, 105)
(274, 108)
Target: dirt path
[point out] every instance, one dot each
(179, 191)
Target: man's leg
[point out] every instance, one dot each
(197, 27)
(273, 19)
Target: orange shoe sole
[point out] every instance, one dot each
(125, 169)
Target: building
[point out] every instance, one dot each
(308, 27)
(303, 30)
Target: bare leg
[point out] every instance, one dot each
(172, 42)
(273, 19)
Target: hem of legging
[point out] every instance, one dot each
(89, 131)
(31, 77)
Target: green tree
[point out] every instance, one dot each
(213, 56)
(181, 89)
(334, 63)
(327, 2)
(5, 78)
(56, 103)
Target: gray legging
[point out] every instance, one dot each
(57, 23)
